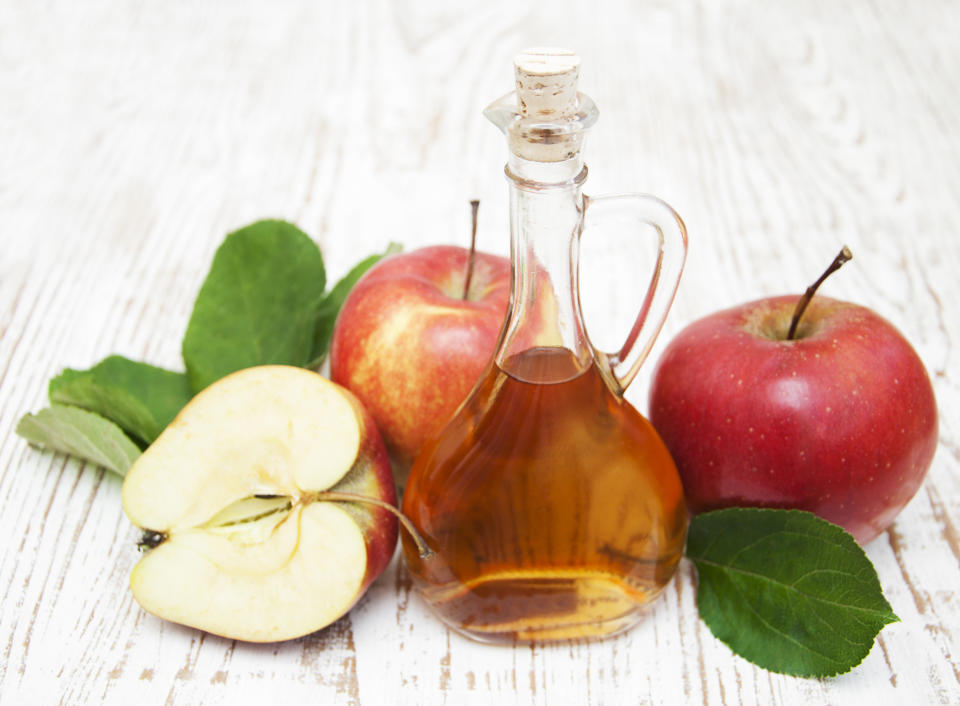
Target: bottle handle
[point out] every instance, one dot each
(632, 210)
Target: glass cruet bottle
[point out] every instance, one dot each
(551, 506)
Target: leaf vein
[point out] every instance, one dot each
(782, 634)
(813, 596)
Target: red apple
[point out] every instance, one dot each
(410, 346)
(840, 421)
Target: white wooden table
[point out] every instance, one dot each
(134, 136)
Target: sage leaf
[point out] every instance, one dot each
(142, 399)
(330, 305)
(786, 590)
(257, 305)
(81, 434)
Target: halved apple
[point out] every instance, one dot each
(235, 500)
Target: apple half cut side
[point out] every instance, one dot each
(231, 498)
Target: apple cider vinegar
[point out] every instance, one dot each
(552, 508)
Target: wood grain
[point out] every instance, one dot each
(134, 136)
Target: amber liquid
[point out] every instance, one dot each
(554, 509)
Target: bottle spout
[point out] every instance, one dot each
(503, 112)
(545, 118)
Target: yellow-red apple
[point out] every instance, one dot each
(241, 499)
(410, 345)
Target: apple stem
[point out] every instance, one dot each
(425, 551)
(474, 207)
(843, 256)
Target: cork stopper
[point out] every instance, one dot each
(547, 83)
(545, 119)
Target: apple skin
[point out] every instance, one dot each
(841, 421)
(411, 348)
(372, 477)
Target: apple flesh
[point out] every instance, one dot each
(840, 421)
(410, 346)
(232, 497)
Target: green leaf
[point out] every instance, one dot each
(141, 398)
(787, 590)
(330, 306)
(82, 434)
(257, 305)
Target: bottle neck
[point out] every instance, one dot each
(546, 212)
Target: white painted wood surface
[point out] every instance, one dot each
(133, 136)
